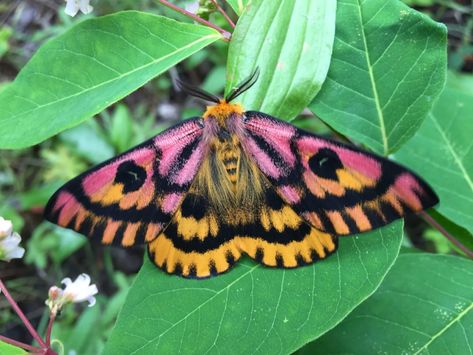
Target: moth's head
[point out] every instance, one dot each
(223, 107)
(222, 110)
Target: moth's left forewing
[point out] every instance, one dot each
(129, 199)
(339, 189)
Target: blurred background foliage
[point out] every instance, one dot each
(29, 176)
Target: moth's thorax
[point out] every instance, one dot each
(222, 111)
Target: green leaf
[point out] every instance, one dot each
(239, 5)
(121, 128)
(291, 43)
(252, 308)
(7, 349)
(442, 153)
(388, 66)
(97, 62)
(86, 141)
(424, 306)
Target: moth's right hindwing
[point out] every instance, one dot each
(132, 197)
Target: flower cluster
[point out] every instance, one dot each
(75, 291)
(9, 242)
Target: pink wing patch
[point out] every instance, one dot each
(131, 198)
(337, 188)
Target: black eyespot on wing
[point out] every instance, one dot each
(131, 175)
(325, 163)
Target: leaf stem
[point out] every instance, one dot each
(226, 35)
(429, 219)
(19, 344)
(20, 314)
(222, 11)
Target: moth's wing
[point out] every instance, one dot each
(195, 244)
(279, 237)
(130, 198)
(209, 232)
(338, 188)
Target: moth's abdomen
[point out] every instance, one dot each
(231, 161)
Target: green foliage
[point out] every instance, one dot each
(239, 5)
(424, 306)
(252, 308)
(293, 62)
(7, 349)
(52, 242)
(94, 64)
(441, 151)
(387, 68)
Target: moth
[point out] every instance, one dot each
(232, 182)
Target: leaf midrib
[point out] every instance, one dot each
(456, 158)
(444, 329)
(379, 110)
(117, 77)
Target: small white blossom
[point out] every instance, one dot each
(76, 291)
(9, 242)
(192, 7)
(73, 7)
(6, 227)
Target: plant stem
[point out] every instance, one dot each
(19, 344)
(222, 11)
(20, 314)
(226, 35)
(428, 218)
(52, 317)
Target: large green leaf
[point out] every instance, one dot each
(424, 306)
(291, 43)
(252, 308)
(388, 66)
(442, 152)
(97, 62)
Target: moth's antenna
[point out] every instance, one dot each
(197, 92)
(244, 86)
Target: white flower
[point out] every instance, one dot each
(193, 7)
(73, 7)
(10, 248)
(76, 291)
(80, 290)
(6, 227)
(9, 242)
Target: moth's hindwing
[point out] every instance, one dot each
(195, 243)
(338, 189)
(130, 198)
(279, 237)
(203, 240)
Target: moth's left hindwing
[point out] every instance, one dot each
(132, 197)
(338, 189)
